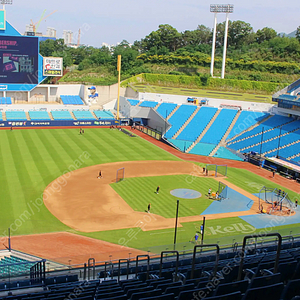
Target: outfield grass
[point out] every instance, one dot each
(140, 191)
(253, 183)
(31, 159)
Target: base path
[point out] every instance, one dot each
(89, 204)
(76, 249)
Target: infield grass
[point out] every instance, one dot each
(140, 191)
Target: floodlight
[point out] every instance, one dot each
(221, 8)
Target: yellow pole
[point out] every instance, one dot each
(119, 81)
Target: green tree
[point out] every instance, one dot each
(202, 35)
(48, 47)
(298, 33)
(239, 32)
(265, 34)
(128, 54)
(166, 35)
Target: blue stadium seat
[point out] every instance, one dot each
(202, 149)
(71, 99)
(39, 115)
(104, 114)
(16, 116)
(165, 109)
(197, 124)
(61, 115)
(180, 116)
(83, 115)
(227, 288)
(151, 104)
(133, 102)
(222, 152)
(216, 131)
(266, 292)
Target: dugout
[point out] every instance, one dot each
(279, 164)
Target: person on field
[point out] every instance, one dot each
(157, 189)
(209, 192)
(149, 207)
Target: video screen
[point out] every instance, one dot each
(18, 60)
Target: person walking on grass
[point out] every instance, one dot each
(157, 189)
(209, 192)
(149, 207)
(196, 238)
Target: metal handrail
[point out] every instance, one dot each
(161, 261)
(91, 264)
(137, 264)
(119, 269)
(205, 246)
(242, 256)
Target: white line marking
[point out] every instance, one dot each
(165, 232)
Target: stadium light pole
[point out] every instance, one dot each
(119, 82)
(220, 8)
(277, 155)
(176, 222)
(202, 230)
(261, 142)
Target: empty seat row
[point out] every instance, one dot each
(71, 99)
(5, 100)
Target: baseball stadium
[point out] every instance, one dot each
(146, 196)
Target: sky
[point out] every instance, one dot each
(112, 21)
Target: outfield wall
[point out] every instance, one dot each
(56, 123)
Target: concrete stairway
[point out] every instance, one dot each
(27, 115)
(72, 114)
(157, 105)
(222, 141)
(203, 132)
(50, 115)
(186, 123)
(3, 116)
(173, 112)
(94, 115)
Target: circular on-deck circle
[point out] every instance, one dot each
(185, 193)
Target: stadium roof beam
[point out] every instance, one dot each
(220, 8)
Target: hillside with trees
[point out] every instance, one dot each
(263, 55)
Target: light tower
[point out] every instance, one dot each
(220, 8)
